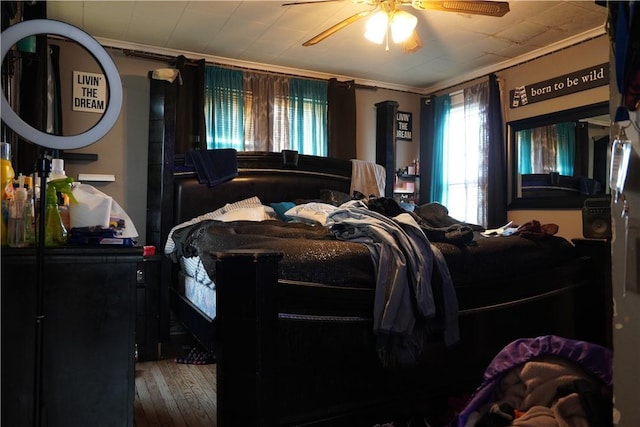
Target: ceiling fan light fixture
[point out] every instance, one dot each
(376, 28)
(402, 25)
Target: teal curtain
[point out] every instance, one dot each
(209, 89)
(524, 151)
(439, 183)
(308, 107)
(224, 108)
(566, 137)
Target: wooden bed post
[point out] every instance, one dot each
(386, 141)
(247, 330)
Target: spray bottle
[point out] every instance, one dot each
(55, 233)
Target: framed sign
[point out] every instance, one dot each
(403, 126)
(89, 92)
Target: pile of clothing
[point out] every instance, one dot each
(544, 381)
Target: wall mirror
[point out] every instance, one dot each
(559, 159)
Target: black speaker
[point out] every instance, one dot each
(596, 218)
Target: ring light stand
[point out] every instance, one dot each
(10, 37)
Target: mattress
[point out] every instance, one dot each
(203, 297)
(198, 287)
(194, 268)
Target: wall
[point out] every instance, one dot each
(581, 56)
(123, 151)
(575, 58)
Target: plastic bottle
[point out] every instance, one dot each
(7, 175)
(55, 233)
(620, 153)
(29, 216)
(57, 170)
(19, 217)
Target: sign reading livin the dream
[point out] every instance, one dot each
(403, 126)
(89, 92)
(587, 78)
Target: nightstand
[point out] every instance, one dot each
(147, 308)
(598, 322)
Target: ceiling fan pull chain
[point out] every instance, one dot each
(386, 37)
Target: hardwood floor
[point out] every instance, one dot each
(170, 394)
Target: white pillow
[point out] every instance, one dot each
(313, 211)
(244, 214)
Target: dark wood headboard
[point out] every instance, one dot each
(261, 174)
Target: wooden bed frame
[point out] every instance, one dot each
(277, 368)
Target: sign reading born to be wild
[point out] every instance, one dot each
(577, 81)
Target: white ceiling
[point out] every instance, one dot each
(268, 35)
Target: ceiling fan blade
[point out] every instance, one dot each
(334, 29)
(488, 8)
(296, 3)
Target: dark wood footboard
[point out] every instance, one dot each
(247, 333)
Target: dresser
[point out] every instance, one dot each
(88, 336)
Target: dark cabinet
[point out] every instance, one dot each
(89, 306)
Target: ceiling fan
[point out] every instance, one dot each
(388, 15)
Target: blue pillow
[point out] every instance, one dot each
(281, 208)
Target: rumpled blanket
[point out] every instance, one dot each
(405, 261)
(434, 220)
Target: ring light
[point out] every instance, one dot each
(19, 31)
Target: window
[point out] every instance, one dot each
(264, 112)
(463, 158)
(460, 149)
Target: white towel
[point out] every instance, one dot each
(167, 74)
(368, 178)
